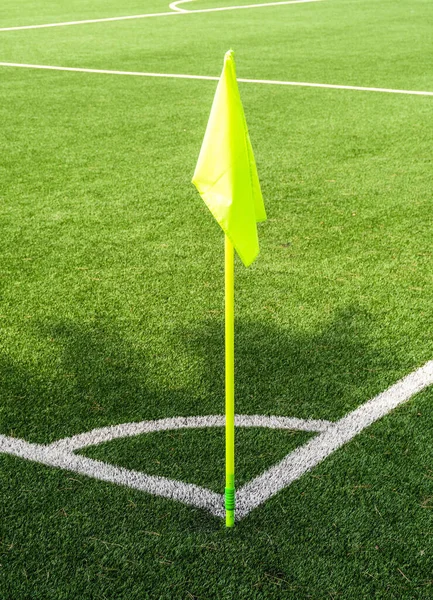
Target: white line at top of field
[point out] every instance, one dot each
(214, 78)
(163, 14)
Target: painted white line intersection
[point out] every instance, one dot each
(331, 437)
(174, 12)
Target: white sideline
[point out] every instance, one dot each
(149, 15)
(108, 72)
(253, 494)
(215, 78)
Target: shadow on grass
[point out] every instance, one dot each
(92, 376)
(320, 374)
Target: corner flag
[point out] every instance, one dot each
(226, 173)
(226, 177)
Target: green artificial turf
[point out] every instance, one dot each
(29, 12)
(111, 298)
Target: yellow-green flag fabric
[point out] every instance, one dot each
(226, 173)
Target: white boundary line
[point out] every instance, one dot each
(108, 72)
(214, 78)
(174, 6)
(312, 453)
(158, 486)
(149, 15)
(254, 493)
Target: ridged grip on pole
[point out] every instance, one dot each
(230, 506)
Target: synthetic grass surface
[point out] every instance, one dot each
(360, 526)
(364, 43)
(111, 298)
(28, 12)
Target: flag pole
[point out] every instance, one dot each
(229, 381)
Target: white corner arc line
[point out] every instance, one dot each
(150, 15)
(309, 455)
(214, 78)
(107, 434)
(257, 491)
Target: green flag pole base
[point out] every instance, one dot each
(230, 506)
(230, 518)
